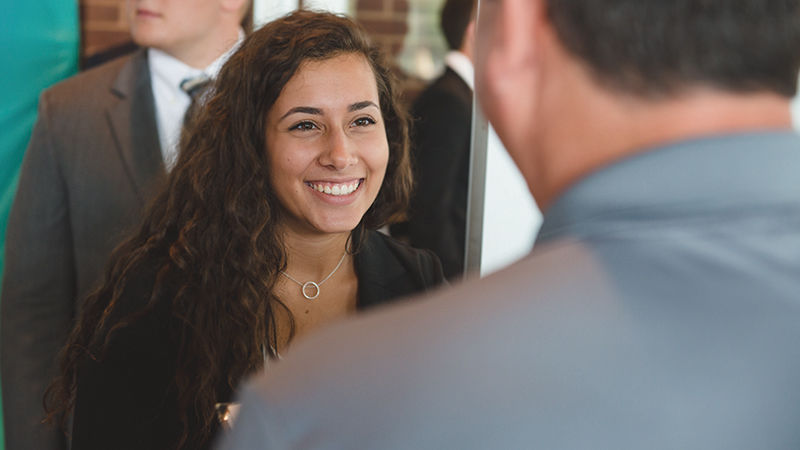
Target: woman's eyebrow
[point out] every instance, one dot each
(303, 109)
(318, 112)
(361, 105)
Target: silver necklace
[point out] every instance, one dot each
(308, 285)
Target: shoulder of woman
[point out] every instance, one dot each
(424, 261)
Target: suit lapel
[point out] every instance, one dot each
(133, 125)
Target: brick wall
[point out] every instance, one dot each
(103, 23)
(386, 21)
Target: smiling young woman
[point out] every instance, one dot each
(264, 232)
(326, 142)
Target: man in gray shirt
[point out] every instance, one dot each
(660, 308)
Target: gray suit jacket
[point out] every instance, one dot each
(659, 310)
(92, 164)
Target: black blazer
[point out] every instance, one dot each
(127, 400)
(441, 150)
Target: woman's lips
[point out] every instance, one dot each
(335, 188)
(146, 13)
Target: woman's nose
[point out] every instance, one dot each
(340, 151)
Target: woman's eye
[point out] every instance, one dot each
(304, 126)
(363, 122)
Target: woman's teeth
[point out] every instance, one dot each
(336, 189)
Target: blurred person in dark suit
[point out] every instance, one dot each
(104, 139)
(659, 308)
(442, 132)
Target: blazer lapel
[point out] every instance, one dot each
(133, 125)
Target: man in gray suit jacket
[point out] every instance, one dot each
(660, 308)
(95, 158)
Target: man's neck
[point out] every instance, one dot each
(200, 55)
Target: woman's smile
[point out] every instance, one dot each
(335, 188)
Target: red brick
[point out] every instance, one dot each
(99, 13)
(370, 5)
(97, 41)
(393, 27)
(400, 6)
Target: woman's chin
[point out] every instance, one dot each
(330, 227)
(338, 228)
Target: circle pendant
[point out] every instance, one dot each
(308, 285)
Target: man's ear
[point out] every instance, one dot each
(517, 31)
(468, 45)
(509, 63)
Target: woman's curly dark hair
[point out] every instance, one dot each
(216, 223)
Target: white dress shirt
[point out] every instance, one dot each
(171, 102)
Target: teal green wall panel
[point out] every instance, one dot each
(39, 44)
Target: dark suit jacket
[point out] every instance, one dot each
(91, 165)
(127, 401)
(441, 150)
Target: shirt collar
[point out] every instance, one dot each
(462, 66)
(693, 178)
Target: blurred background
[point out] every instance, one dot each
(408, 30)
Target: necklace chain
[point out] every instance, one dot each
(311, 284)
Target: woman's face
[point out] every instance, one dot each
(326, 145)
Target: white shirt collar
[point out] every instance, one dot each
(171, 102)
(462, 66)
(169, 70)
